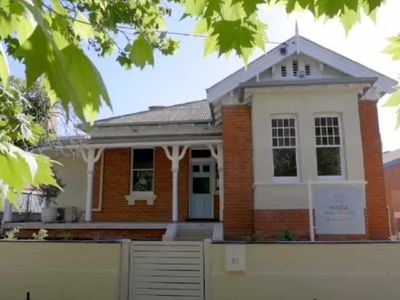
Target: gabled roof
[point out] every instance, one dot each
(297, 45)
(189, 112)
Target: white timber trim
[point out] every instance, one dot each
(143, 144)
(100, 191)
(175, 157)
(218, 154)
(298, 44)
(90, 157)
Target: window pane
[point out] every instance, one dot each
(201, 153)
(142, 181)
(201, 185)
(143, 159)
(284, 162)
(328, 161)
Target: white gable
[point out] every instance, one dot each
(299, 58)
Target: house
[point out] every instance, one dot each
(289, 144)
(391, 165)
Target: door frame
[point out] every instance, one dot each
(210, 161)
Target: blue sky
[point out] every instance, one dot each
(185, 76)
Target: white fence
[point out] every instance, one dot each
(166, 270)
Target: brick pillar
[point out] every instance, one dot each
(377, 216)
(238, 168)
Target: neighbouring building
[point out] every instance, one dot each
(391, 164)
(288, 146)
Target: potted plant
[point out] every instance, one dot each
(50, 193)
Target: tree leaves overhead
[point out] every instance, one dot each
(142, 53)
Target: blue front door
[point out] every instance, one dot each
(201, 205)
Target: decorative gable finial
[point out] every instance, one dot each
(296, 33)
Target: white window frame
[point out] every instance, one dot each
(141, 195)
(341, 146)
(285, 179)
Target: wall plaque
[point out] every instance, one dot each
(339, 209)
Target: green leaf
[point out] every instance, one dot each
(249, 6)
(210, 45)
(232, 35)
(374, 4)
(82, 27)
(70, 73)
(349, 18)
(333, 8)
(22, 169)
(85, 80)
(4, 69)
(142, 53)
(232, 11)
(394, 48)
(201, 27)
(394, 100)
(194, 7)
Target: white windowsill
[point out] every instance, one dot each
(285, 180)
(141, 196)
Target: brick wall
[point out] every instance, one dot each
(116, 185)
(377, 226)
(269, 224)
(238, 172)
(97, 234)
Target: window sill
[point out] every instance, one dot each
(141, 196)
(286, 180)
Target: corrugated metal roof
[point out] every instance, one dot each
(189, 112)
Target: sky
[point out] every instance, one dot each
(186, 75)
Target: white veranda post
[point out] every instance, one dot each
(90, 157)
(219, 156)
(7, 215)
(175, 157)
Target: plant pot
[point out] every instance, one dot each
(49, 214)
(70, 214)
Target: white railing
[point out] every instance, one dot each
(30, 202)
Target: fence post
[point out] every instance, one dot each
(124, 270)
(207, 252)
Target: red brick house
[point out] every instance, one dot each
(289, 144)
(391, 164)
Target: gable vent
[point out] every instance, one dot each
(283, 71)
(307, 70)
(295, 67)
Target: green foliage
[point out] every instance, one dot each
(69, 236)
(11, 235)
(41, 235)
(287, 236)
(252, 238)
(52, 191)
(20, 168)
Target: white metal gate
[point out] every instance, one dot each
(166, 270)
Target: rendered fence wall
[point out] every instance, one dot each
(312, 272)
(100, 271)
(51, 271)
